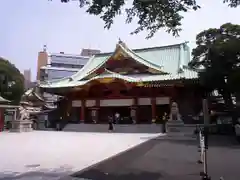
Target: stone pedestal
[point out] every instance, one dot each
(175, 126)
(21, 126)
(40, 125)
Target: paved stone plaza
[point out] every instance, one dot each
(56, 155)
(51, 155)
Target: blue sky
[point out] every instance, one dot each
(26, 25)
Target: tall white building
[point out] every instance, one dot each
(27, 78)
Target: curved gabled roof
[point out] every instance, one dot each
(171, 58)
(139, 58)
(128, 78)
(98, 61)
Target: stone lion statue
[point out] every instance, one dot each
(23, 113)
(175, 115)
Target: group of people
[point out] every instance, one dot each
(113, 120)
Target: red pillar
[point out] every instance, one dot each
(153, 104)
(135, 104)
(97, 109)
(82, 115)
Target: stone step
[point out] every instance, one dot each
(118, 128)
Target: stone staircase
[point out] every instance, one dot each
(118, 128)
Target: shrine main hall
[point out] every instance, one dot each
(139, 84)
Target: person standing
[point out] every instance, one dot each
(117, 117)
(110, 123)
(164, 121)
(58, 124)
(133, 116)
(94, 114)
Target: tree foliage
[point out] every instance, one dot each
(11, 81)
(151, 15)
(218, 55)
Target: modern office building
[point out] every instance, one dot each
(42, 61)
(61, 65)
(56, 66)
(27, 78)
(89, 52)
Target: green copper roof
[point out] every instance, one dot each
(143, 60)
(171, 59)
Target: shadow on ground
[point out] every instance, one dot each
(191, 140)
(214, 141)
(96, 174)
(140, 163)
(168, 159)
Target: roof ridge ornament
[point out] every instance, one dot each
(180, 70)
(44, 48)
(120, 41)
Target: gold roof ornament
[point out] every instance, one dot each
(119, 41)
(106, 80)
(140, 84)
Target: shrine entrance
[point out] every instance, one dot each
(113, 97)
(124, 112)
(161, 109)
(135, 104)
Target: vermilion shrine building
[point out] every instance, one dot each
(139, 84)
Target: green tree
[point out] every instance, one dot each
(151, 15)
(11, 81)
(217, 55)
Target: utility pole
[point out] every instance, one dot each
(204, 174)
(205, 133)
